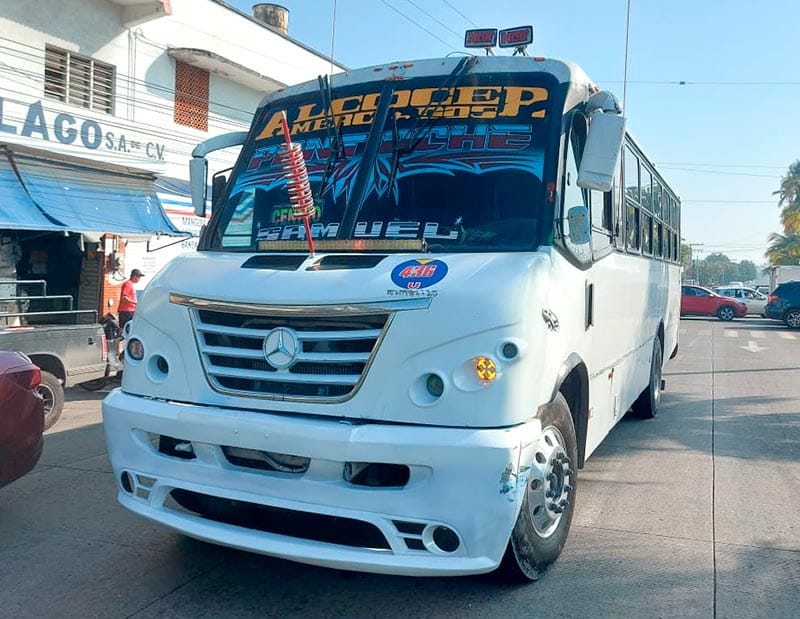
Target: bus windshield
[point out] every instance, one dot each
(456, 168)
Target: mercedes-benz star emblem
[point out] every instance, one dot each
(281, 348)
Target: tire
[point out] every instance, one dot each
(646, 405)
(52, 392)
(94, 385)
(792, 318)
(540, 532)
(726, 313)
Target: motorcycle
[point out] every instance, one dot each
(115, 361)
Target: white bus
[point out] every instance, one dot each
(418, 395)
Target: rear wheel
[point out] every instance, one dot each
(646, 405)
(792, 319)
(96, 384)
(726, 313)
(52, 392)
(546, 513)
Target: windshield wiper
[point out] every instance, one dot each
(366, 166)
(414, 135)
(335, 139)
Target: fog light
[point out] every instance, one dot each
(135, 349)
(486, 369)
(446, 539)
(510, 350)
(435, 385)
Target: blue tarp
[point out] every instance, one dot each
(17, 210)
(82, 199)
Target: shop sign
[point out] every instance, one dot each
(63, 128)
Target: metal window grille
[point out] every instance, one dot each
(78, 80)
(191, 96)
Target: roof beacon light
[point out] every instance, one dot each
(519, 38)
(485, 38)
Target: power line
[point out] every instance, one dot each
(437, 20)
(724, 173)
(462, 14)
(37, 55)
(729, 202)
(418, 25)
(719, 165)
(697, 83)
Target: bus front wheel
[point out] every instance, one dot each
(547, 506)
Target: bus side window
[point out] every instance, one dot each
(632, 227)
(602, 231)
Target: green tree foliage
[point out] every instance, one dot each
(717, 269)
(785, 248)
(747, 271)
(686, 258)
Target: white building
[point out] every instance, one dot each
(101, 104)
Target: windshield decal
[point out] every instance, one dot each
(464, 102)
(418, 274)
(456, 168)
(447, 150)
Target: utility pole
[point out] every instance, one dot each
(694, 247)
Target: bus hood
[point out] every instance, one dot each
(445, 310)
(346, 279)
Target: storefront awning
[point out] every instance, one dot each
(17, 210)
(82, 199)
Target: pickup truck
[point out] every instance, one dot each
(69, 346)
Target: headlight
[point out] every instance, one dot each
(135, 349)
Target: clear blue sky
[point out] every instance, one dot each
(722, 140)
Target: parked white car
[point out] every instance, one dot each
(754, 300)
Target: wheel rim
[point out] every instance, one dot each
(726, 313)
(550, 484)
(656, 376)
(48, 397)
(793, 319)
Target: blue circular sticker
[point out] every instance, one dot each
(421, 273)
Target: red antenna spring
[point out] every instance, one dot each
(297, 181)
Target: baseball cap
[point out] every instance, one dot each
(136, 272)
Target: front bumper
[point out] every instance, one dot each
(467, 480)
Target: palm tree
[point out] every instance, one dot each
(789, 191)
(783, 249)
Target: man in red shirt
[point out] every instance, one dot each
(127, 298)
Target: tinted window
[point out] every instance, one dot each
(460, 168)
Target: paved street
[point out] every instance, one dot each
(696, 513)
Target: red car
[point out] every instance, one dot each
(21, 416)
(699, 301)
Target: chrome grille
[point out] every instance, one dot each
(334, 351)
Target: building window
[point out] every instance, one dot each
(78, 80)
(191, 96)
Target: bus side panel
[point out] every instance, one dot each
(631, 298)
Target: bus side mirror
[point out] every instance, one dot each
(579, 228)
(601, 153)
(198, 175)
